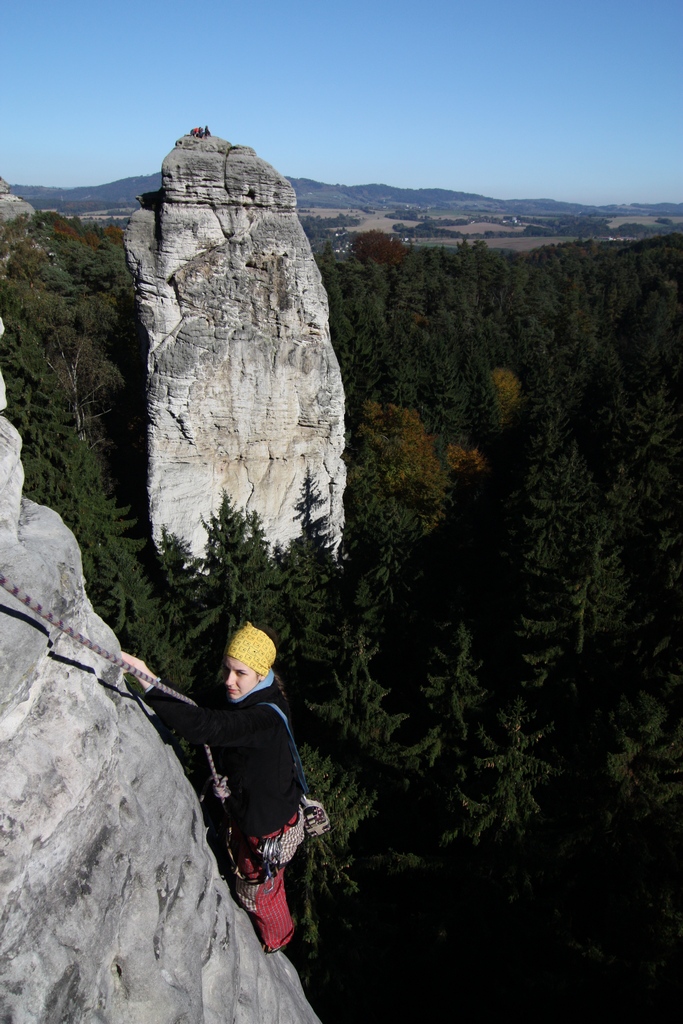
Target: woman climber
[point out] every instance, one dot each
(266, 824)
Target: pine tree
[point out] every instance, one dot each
(322, 870)
(237, 583)
(315, 525)
(456, 705)
(510, 775)
(308, 592)
(454, 695)
(652, 454)
(612, 860)
(483, 408)
(574, 587)
(358, 328)
(353, 705)
(181, 577)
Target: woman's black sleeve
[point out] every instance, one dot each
(250, 727)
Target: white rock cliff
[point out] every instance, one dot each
(12, 206)
(244, 389)
(112, 909)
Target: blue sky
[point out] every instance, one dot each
(573, 101)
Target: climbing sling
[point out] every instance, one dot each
(316, 819)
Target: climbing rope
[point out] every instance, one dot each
(220, 785)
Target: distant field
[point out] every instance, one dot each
(378, 222)
(513, 244)
(324, 213)
(95, 215)
(650, 222)
(368, 221)
(480, 226)
(109, 215)
(528, 243)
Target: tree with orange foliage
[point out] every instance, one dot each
(401, 455)
(509, 394)
(114, 235)
(469, 465)
(377, 247)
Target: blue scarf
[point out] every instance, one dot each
(263, 685)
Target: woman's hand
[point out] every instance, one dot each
(141, 667)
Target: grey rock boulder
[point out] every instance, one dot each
(244, 389)
(12, 206)
(112, 909)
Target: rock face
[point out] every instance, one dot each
(12, 206)
(244, 390)
(111, 906)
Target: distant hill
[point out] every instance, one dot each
(121, 196)
(311, 193)
(317, 193)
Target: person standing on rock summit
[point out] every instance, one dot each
(266, 823)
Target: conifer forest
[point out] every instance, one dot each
(487, 680)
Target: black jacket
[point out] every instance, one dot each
(254, 753)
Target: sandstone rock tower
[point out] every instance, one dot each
(244, 390)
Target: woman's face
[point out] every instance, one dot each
(239, 678)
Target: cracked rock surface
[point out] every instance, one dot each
(244, 389)
(111, 905)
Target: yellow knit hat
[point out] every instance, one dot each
(253, 648)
